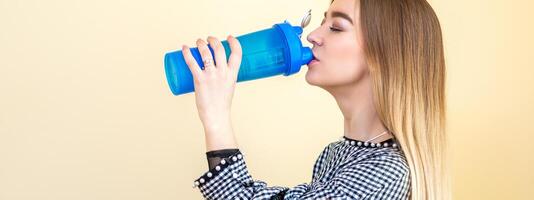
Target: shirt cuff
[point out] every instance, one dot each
(215, 157)
(226, 179)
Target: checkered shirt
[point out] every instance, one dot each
(345, 169)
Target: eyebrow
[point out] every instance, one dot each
(340, 14)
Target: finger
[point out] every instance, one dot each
(190, 61)
(218, 49)
(234, 61)
(205, 53)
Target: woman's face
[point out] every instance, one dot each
(337, 46)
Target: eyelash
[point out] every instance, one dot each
(334, 29)
(331, 28)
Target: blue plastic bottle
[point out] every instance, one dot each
(269, 52)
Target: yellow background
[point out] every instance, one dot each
(86, 113)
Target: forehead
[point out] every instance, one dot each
(344, 6)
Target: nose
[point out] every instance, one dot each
(314, 38)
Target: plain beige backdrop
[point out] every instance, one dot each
(86, 113)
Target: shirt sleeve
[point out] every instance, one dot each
(215, 157)
(230, 179)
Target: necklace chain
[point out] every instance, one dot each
(377, 136)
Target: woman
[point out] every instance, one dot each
(383, 62)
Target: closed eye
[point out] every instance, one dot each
(334, 29)
(331, 28)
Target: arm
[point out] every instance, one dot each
(380, 177)
(230, 179)
(220, 135)
(214, 89)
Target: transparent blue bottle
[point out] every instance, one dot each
(269, 52)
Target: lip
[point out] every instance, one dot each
(315, 56)
(313, 62)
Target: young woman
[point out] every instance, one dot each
(383, 62)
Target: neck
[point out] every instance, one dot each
(361, 121)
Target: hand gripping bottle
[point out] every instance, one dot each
(269, 52)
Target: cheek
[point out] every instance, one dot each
(348, 61)
(343, 64)
(351, 53)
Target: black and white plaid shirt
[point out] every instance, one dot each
(345, 169)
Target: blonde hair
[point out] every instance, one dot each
(404, 51)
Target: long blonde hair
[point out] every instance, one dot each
(404, 50)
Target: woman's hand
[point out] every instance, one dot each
(215, 85)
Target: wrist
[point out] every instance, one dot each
(219, 135)
(222, 122)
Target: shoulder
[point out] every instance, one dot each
(374, 174)
(350, 155)
(385, 161)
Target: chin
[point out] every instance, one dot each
(327, 83)
(310, 78)
(315, 79)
